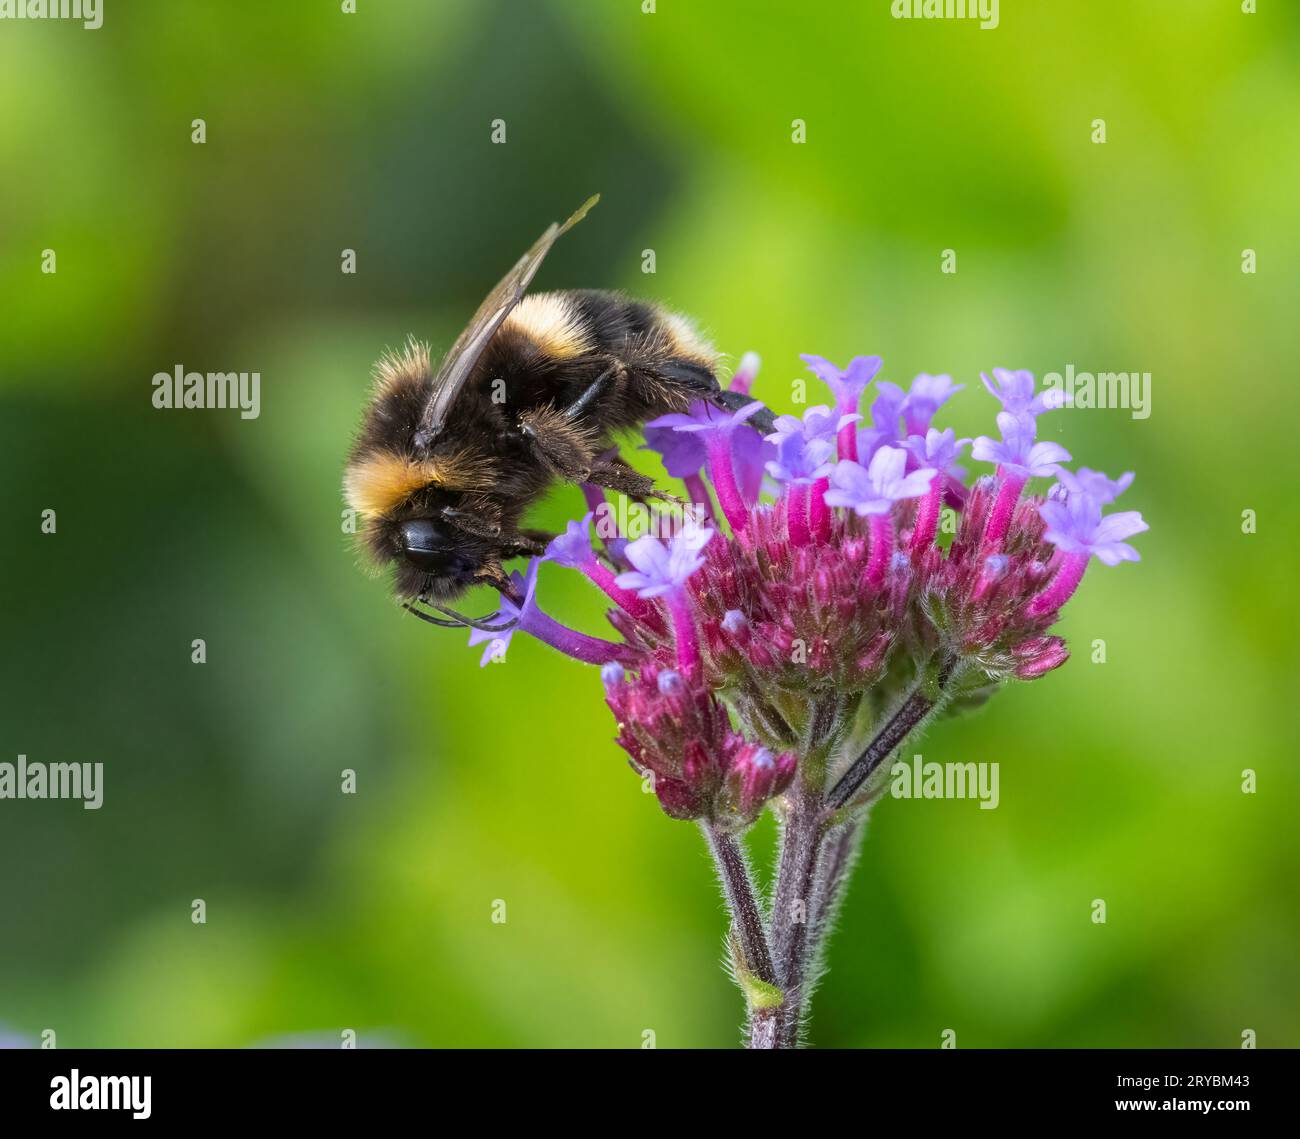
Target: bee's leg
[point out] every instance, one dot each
(543, 536)
(694, 379)
(526, 544)
(617, 475)
(612, 458)
(597, 388)
(470, 523)
(558, 442)
(489, 623)
(763, 419)
(492, 574)
(568, 450)
(698, 382)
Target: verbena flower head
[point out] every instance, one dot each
(800, 459)
(1077, 528)
(681, 738)
(746, 652)
(804, 447)
(818, 424)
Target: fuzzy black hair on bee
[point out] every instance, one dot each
(534, 391)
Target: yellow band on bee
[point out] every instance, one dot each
(551, 322)
(380, 482)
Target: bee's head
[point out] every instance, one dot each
(423, 508)
(411, 522)
(433, 558)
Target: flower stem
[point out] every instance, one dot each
(591, 650)
(882, 546)
(796, 514)
(724, 482)
(688, 645)
(699, 493)
(1062, 586)
(754, 969)
(1009, 488)
(927, 516)
(626, 600)
(896, 729)
(794, 908)
(842, 846)
(819, 514)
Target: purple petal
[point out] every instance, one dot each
(986, 450)
(573, 547)
(1117, 527)
(887, 466)
(915, 484)
(1112, 553)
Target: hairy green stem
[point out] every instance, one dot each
(919, 704)
(818, 849)
(752, 955)
(843, 844)
(793, 904)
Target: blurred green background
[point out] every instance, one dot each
(328, 131)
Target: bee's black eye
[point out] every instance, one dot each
(429, 547)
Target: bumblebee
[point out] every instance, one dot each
(532, 392)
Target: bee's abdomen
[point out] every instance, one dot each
(624, 327)
(575, 334)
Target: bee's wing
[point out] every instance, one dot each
(460, 361)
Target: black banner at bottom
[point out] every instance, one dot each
(373, 1086)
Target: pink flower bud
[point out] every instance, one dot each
(1040, 655)
(754, 777)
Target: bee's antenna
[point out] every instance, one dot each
(431, 619)
(459, 620)
(480, 622)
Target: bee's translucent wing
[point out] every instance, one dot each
(460, 360)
